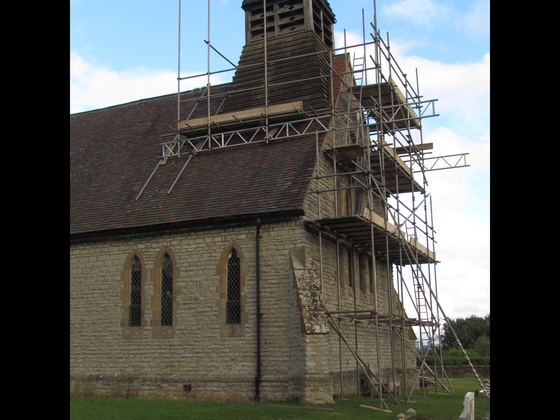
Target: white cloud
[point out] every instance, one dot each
(463, 249)
(462, 90)
(419, 12)
(476, 23)
(445, 141)
(461, 210)
(465, 294)
(93, 86)
(461, 195)
(428, 13)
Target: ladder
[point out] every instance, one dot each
(358, 67)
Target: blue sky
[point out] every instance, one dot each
(124, 50)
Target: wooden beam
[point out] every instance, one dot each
(421, 248)
(407, 149)
(380, 222)
(245, 114)
(374, 408)
(393, 154)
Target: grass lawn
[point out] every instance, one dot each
(434, 406)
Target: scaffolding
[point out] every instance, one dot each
(378, 145)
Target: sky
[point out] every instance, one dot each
(125, 50)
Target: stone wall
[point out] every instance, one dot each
(194, 360)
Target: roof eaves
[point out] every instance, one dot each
(192, 225)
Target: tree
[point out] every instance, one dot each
(482, 345)
(470, 332)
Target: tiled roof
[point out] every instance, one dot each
(113, 152)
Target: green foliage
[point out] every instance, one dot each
(474, 334)
(482, 345)
(455, 357)
(455, 352)
(470, 331)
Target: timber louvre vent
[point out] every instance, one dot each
(286, 16)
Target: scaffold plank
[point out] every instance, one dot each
(356, 228)
(246, 114)
(392, 164)
(388, 97)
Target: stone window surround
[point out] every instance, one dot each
(166, 331)
(134, 331)
(231, 330)
(158, 331)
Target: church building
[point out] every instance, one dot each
(246, 247)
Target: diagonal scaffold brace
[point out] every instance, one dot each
(368, 372)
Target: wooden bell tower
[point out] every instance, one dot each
(287, 16)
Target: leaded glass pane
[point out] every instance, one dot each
(233, 302)
(167, 291)
(135, 315)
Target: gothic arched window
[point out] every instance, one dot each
(135, 307)
(167, 291)
(233, 300)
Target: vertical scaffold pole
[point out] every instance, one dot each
(179, 83)
(265, 74)
(208, 81)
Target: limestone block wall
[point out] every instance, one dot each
(341, 291)
(195, 358)
(346, 276)
(199, 357)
